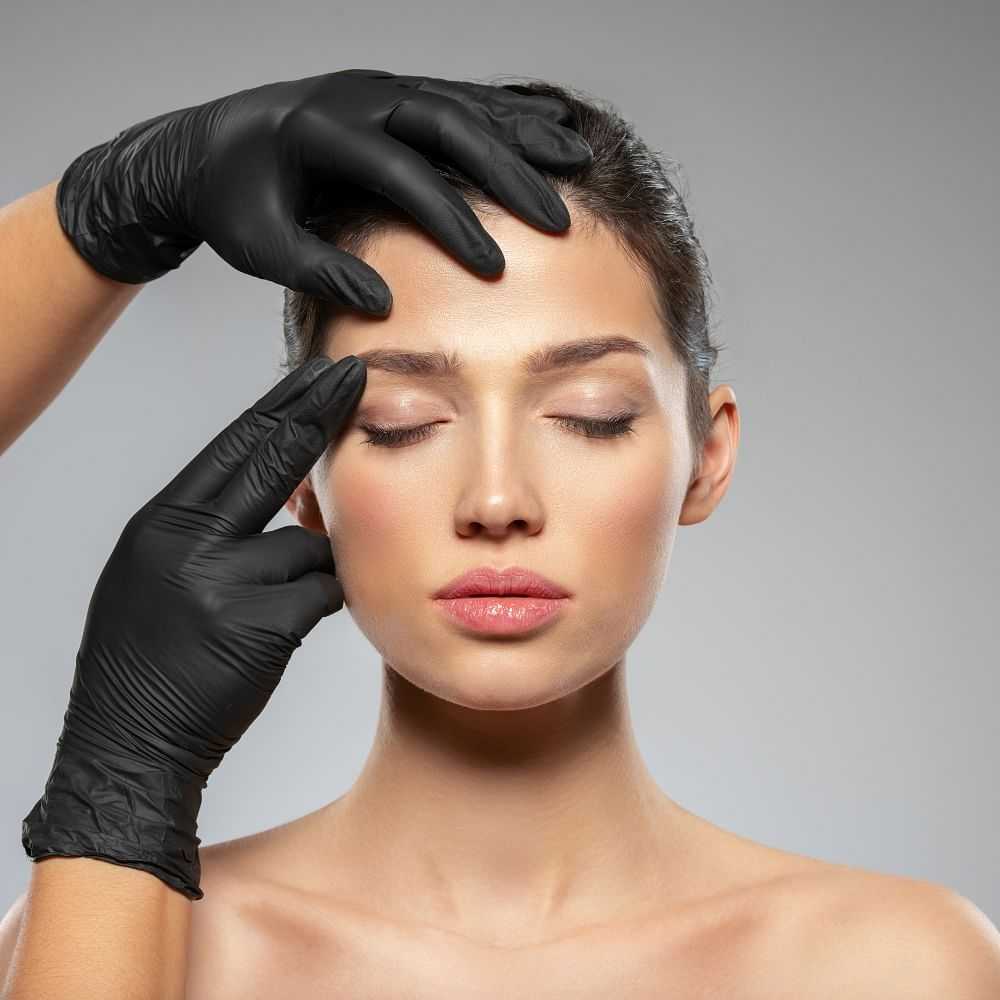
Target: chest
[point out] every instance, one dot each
(236, 954)
(394, 969)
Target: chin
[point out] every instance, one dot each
(490, 696)
(503, 678)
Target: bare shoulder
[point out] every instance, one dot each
(230, 936)
(10, 927)
(828, 930)
(259, 922)
(868, 934)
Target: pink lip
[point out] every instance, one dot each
(515, 581)
(501, 602)
(501, 615)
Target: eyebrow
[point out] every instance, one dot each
(442, 365)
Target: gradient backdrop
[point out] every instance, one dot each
(821, 670)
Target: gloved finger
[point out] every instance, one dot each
(536, 127)
(272, 245)
(256, 492)
(207, 473)
(383, 164)
(292, 609)
(447, 131)
(500, 100)
(543, 105)
(282, 555)
(552, 147)
(313, 265)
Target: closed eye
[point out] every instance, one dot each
(395, 437)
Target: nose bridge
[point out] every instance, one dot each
(498, 480)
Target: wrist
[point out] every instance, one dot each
(121, 811)
(118, 226)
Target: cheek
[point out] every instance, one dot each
(626, 500)
(372, 519)
(626, 520)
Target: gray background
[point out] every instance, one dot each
(820, 672)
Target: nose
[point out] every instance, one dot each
(496, 516)
(498, 495)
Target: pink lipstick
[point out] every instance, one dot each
(501, 602)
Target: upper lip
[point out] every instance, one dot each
(511, 582)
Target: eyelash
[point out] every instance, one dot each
(395, 437)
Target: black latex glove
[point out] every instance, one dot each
(243, 171)
(188, 633)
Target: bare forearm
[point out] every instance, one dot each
(95, 929)
(54, 309)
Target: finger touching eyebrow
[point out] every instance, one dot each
(442, 365)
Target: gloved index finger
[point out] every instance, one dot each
(283, 459)
(205, 476)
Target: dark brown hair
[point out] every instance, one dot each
(626, 187)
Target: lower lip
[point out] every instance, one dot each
(495, 615)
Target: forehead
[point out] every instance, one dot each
(554, 288)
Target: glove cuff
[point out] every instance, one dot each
(98, 207)
(121, 811)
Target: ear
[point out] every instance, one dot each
(304, 506)
(715, 469)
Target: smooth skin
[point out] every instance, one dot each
(88, 928)
(54, 310)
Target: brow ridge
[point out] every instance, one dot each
(550, 357)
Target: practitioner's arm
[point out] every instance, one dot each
(88, 928)
(54, 309)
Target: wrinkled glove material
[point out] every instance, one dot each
(107, 197)
(118, 810)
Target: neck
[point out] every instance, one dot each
(504, 824)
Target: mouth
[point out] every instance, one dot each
(512, 601)
(513, 582)
(493, 615)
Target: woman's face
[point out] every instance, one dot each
(499, 479)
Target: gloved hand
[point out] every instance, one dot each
(242, 173)
(188, 633)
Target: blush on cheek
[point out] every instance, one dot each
(628, 526)
(357, 500)
(630, 520)
(372, 493)
(374, 520)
